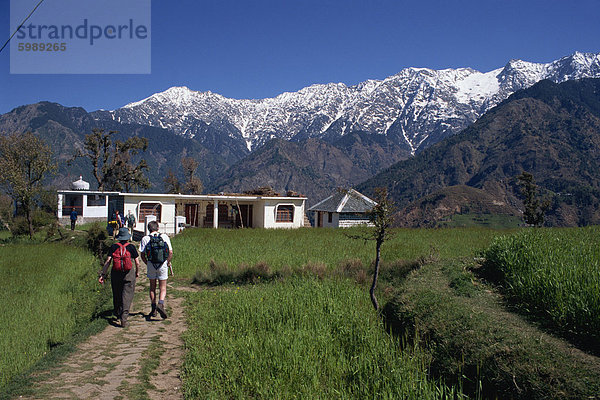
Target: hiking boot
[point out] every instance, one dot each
(160, 307)
(153, 312)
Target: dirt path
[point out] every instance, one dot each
(141, 361)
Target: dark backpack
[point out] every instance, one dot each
(157, 250)
(122, 258)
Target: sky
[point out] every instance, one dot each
(257, 49)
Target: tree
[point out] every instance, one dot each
(534, 209)
(381, 216)
(171, 183)
(25, 160)
(193, 184)
(112, 162)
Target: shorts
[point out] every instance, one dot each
(161, 273)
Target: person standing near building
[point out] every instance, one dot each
(73, 218)
(130, 221)
(119, 219)
(122, 276)
(157, 252)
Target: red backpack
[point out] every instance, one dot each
(122, 258)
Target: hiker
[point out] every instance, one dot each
(122, 276)
(73, 218)
(130, 221)
(114, 224)
(119, 219)
(156, 251)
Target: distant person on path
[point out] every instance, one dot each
(119, 219)
(115, 223)
(157, 252)
(73, 218)
(130, 221)
(122, 277)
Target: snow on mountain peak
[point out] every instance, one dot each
(416, 106)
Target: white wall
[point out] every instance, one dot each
(167, 215)
(270, 213)
(348, 223)
(325, 221)
(258, 215)
(337, 223)
(61, 199)
(94, 211)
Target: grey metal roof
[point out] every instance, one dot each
(345, 201)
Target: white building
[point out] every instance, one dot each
(233, 210)
(343, 209)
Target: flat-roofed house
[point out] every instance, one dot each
(170, 210)
(343, 209)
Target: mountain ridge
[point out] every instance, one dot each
(550, 130)
(415, 107)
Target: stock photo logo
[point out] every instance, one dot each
(81, 37)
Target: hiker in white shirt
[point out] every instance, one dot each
(157, 252)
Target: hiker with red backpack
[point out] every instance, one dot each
(123, 255)
(156, 251)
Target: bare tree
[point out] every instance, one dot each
(112, 163)
(193, 184)
(171, 183)
(382, 217)
(25, 160)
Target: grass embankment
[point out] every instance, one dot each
(49, 291)
(301, 338)
(553, 274)
(278, 249)
(472, 336)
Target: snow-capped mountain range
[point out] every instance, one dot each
(416, 107)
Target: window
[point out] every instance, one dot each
(330, 218)
(150, 209)
(96, 200)
(285, 214)
(71, 202)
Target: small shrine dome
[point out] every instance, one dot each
(80, 184)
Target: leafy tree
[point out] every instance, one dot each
(25, 160)
(112, 162)
(534, 209)
(171, 183)
(193, 184)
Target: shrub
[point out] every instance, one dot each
(317, 269)
(98, 240)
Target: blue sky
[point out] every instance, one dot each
(257, 49)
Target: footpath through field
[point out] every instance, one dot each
(140, 361)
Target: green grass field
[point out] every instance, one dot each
(554, 273)
(48, 292)
(300, 339)
(303, 337)
(299, 336)
(195, 248)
